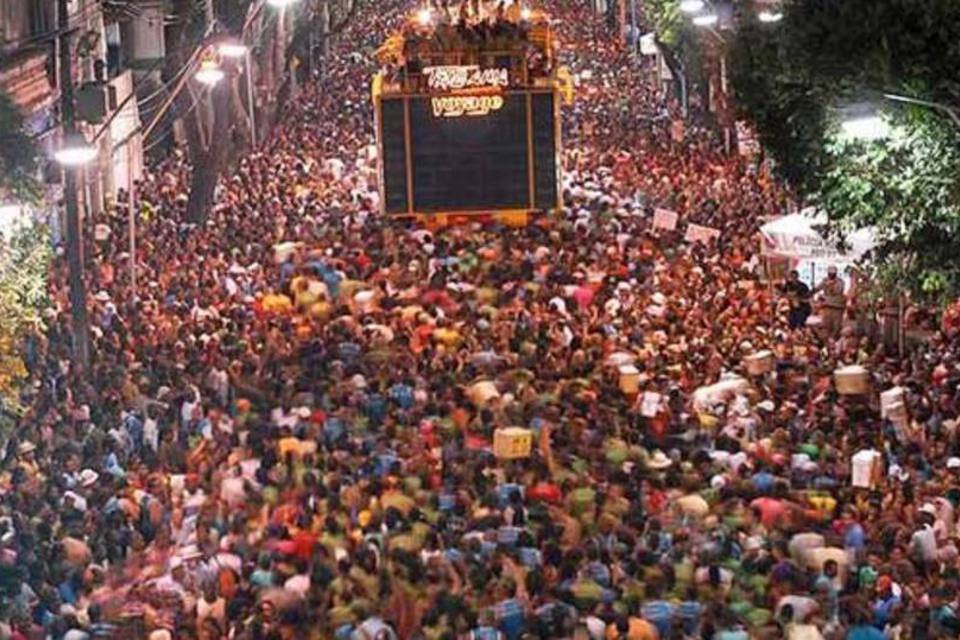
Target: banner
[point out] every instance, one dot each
(697, 233)
(650, 404)
(665, 219)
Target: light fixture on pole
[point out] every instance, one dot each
(210, 73)
(424, 17)
(770, 16)
(865, 128)
(75, 151)
(706, 20)
(691, 6)
(232, 49)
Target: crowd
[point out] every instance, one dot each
(287, 431)
(476, 32)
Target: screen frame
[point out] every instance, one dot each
(529, 206)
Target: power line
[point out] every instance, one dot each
(84, 14)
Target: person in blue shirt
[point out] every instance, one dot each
(861, 629)
(854, 536)
(402, 395)
(886, 601)
(486, 630)
(657, 611)
(763, 480)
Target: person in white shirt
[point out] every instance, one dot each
(299, 583)
(923, 542)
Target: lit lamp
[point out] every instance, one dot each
(706, 20)
(231, 49)
(424, 17)
(75, 151)
(770, 16)
(865, 128)
(525, 13)
(280, 4)
(691, 6)
(210, 73)
(862, 121)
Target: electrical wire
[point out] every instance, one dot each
(76, 19)
(160, 139)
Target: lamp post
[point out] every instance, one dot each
(237, 51)
(74, 153)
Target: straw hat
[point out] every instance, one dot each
(88, 477)
(659, 460)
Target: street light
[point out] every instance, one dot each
(424, 17)
(75, 151)
(770, 16)
(706, 20)
(871, 127)
(210, 73)
(233, 50)
(691, 6)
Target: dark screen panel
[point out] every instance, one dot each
(394, 157)
(545, 152)
(470, 162)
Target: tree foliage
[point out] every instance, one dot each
(18, 154)
(794, 79)
(24, 262)
(25, 255)
(678, 41)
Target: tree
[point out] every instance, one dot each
(24, 263)
(795, 80)
(678, 42)
(18, 155)
(25, 254)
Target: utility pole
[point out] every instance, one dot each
(78, 291)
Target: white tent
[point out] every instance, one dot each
(795, 237)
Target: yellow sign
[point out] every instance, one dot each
(456, 77)
(456, 106)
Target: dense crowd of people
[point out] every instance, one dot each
(288, 428)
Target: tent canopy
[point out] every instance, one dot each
(796, 237)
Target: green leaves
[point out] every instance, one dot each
(790, 81)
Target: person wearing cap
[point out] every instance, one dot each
(887, 599)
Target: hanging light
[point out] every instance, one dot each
(691, 6)
(770, 16)
(210, 73)
(424, 17)
(232, 49)
(706, 20)
(75, 151)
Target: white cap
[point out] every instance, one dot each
(928, 508)
(953, 463)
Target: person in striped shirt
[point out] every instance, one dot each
(657, 611)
